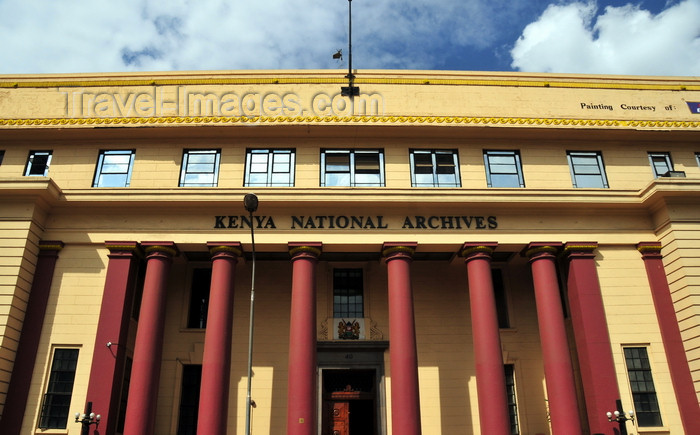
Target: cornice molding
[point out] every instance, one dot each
(372, 120)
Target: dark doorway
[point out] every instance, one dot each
(349, 402)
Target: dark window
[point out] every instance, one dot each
(697, 157)
(114, 168)
(503, 169)
(189, 399)
(56, 406)
(499, 291)
(267, 168)
(512, 399)
(121, 418)
(587, 169)
(38, 163)
(353, 168)
(660, 164)
(348, 294)
(2, 156)
(434, 168)
(646, 405)
(199, 298)
(200, 168)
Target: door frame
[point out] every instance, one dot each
(350, 355)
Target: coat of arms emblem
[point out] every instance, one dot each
(348, 330)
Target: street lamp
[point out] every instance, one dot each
(620, 416)
(250, 202)
(87, 419)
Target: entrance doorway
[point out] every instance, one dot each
(350, 402)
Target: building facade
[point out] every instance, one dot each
(446, 252)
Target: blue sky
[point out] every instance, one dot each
(638, 37)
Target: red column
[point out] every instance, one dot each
(405, 400)
(593, 347)
(558, 372)
(301, 393)
(148, 350)
(677, 359)
(490, 376)
(18, 390)
(107, 369)
(216, 362)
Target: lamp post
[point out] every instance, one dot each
(621, 417)
(250, 202)
(87, 419)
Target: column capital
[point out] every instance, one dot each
(167, 248)
(123, 248)
(471, 250)
(537, 250)
(649, 249)
(50, 245)
(304, 249)
(391, 250)
(232, 249)
(580, 249)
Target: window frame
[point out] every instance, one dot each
(199, 297)
(184, 172)
(649, 395)
(99, 168)
(666, 156)
(489, 166)
(270, 167)
(348, 310)
(352, 170)
(56, 378)
(512, 398)
(29, 167)
(577, 176)
(435, 168)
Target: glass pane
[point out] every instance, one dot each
(424, 180)
(112, 180)
(337, 162)
(368, 180)
(210, 157)
(337, 179)
(365, 162)
(200, 167)
(505, 180)
(589, 181)
(423, 163)
(258, 179)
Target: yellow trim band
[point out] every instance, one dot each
(446, 120)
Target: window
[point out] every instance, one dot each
(189, 399)
(512, 402)
(660, 163)
(124, 398)
(56, 406)
(114, 168)
(348, 294)
(697, 157)
(38, 163)
(2, 156)
(646, 405)
(503, 169)
(354, 168)
(266, 168)
(587, 169)
(199, 298)
(200, 168)
(434, 168)
(499, 292)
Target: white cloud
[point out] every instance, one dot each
(622, 40)
(106, 35)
